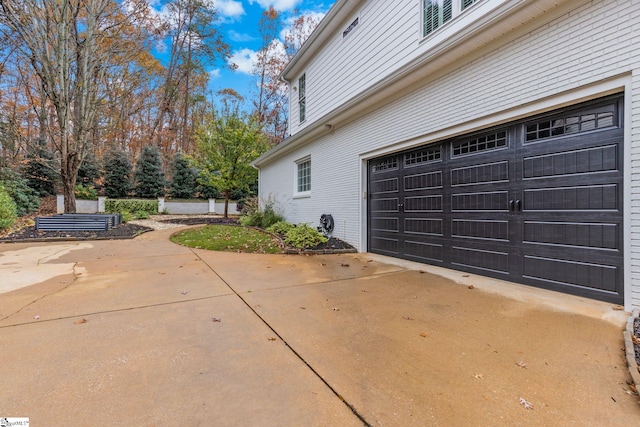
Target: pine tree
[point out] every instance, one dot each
(117, 174)
(149, 177)
(40, 170)
(89, 171)
(183, 182)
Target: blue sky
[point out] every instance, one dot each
(239, 25)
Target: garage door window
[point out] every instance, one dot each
(478, 145)
(573, 124)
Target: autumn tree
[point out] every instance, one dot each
(270, 105)
(226, 145)
(193, 42)
(69, 44)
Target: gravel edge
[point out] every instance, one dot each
(630, 351)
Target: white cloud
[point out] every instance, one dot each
(240, 37)
(280, 5)
(229, 8)
(244, 59)
(215, 73)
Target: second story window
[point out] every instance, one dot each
(436, 13)
(302, 97)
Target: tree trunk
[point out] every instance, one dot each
(226, 203)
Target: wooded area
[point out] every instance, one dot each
(79, 83)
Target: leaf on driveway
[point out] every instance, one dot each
(80, 321)
(272, 338)
(522, 364)
(424, 335)
(527, 405)
(216, 319)
(471, 287)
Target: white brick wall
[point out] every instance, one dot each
(597, 41)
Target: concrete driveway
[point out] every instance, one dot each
(147, 333)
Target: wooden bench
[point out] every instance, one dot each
(78, 222)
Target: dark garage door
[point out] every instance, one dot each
(537, 202)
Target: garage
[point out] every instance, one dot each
(538, 202)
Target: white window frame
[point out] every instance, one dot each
(298, 164)
(456, 10)
(302, 98)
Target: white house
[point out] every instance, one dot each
(499, 137)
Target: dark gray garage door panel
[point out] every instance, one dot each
(537, 202)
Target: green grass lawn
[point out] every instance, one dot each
(228, 238)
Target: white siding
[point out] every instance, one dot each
(387, 37)
(556, 60)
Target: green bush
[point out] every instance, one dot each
(131, 205)
(280, 227)
(25, 198)
(302, 236)
(252, 216)
(142, 215)
(270, 217)
(126, 216)
(85, 192)
(8, 214)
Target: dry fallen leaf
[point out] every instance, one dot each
(465, 275)
(527, 405)
(522, 364)
(471, 287)
(478, 376)
(422, 272)
(80, 321)
(424, 335)
(303, 308)
(618, 308)
(635, 340)
(364, 290)
(216, 319)
(344, 265)
(272, 338)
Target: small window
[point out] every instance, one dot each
(436, 13)
(302, 97)
(303, 184)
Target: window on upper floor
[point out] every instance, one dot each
(303, 176)
(302, 98)
(436, 13)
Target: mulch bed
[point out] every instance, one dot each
(200, 220)
(122, 231)
(129, 231)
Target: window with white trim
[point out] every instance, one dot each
(436, 13)
(303, 175)
(302, 98)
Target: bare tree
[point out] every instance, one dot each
(69, 44)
